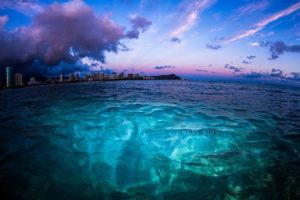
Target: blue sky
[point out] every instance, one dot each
(195, 37)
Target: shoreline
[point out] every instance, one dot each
(70, 82)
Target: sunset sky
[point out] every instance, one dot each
(186, 37)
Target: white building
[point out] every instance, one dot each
(61, 78)
(32, 81)
(9, 76)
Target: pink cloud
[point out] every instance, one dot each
(23, 6)
(262, 24)
(190, 15)
(251, 8)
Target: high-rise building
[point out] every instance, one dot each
(101, 77)
(9, 76)
(121, 75)
(114, 75)
(19, 80)
(77, 77)
(72, 77)
(88, 77)
(105, 77)
(0, 77)
(61, 78)
(95, 76)
(130, 76)
(136, 76)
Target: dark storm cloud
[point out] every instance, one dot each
(213, 46)
(279, 48)
(64, 33)
(234, 68)
(164, 67)
(175, 40)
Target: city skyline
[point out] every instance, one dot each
(189, 38)
(16, 80)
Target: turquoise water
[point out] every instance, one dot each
(150, 140)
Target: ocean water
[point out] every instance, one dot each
(150, 140)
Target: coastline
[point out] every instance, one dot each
(90, 81)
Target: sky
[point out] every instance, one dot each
(250, 38)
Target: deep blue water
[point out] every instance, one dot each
(150, 140)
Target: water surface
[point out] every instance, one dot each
(150, 140)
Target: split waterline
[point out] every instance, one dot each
(150, 140)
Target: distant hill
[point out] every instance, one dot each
(167, 77)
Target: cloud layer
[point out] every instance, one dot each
(263, 23)
(65, 33)
(190, 11)
(139, 24)
(279, 48)
(273, 74)
(164, 67)
(233, 68)
(213, 46)
(27, 7)
(3, 20)
(251, 57)
(250, 8)
(175, 40)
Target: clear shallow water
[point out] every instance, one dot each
(150, 140)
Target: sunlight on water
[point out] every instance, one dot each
(150, 140)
